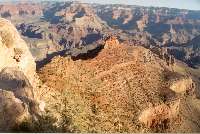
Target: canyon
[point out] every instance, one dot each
(50, 27)
(78, 67)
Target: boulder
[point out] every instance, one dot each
(159, 115)
(184, 85)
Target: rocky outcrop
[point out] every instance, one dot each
(14, 51)
(17, 78)
(111, 42)
(183, 85)
(125, 88)
(17, 98)
(160, 115)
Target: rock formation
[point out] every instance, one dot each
(111, 42)
(184, 85)
(20, 9)
(143, 22)
(17, 78)
(160, 115)
(124, 13)
(123, 88)
(125, 83)
(166, 27)
(14, 51)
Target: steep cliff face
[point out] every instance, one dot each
(71, 26)
(17, 78)
(173, 28)
(14, 51)
(62, 27)
(180, 25)
(18, 100)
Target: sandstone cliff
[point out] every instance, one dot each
(17, 78)
(14, 51)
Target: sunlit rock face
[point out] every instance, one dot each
(14, 51)
(17, 78)
(161, 114)
(111, 42)
(183, 85)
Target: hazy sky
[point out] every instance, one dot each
(183, 4)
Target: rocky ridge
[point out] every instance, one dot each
(123, 88)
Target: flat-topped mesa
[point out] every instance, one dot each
(111, 42)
